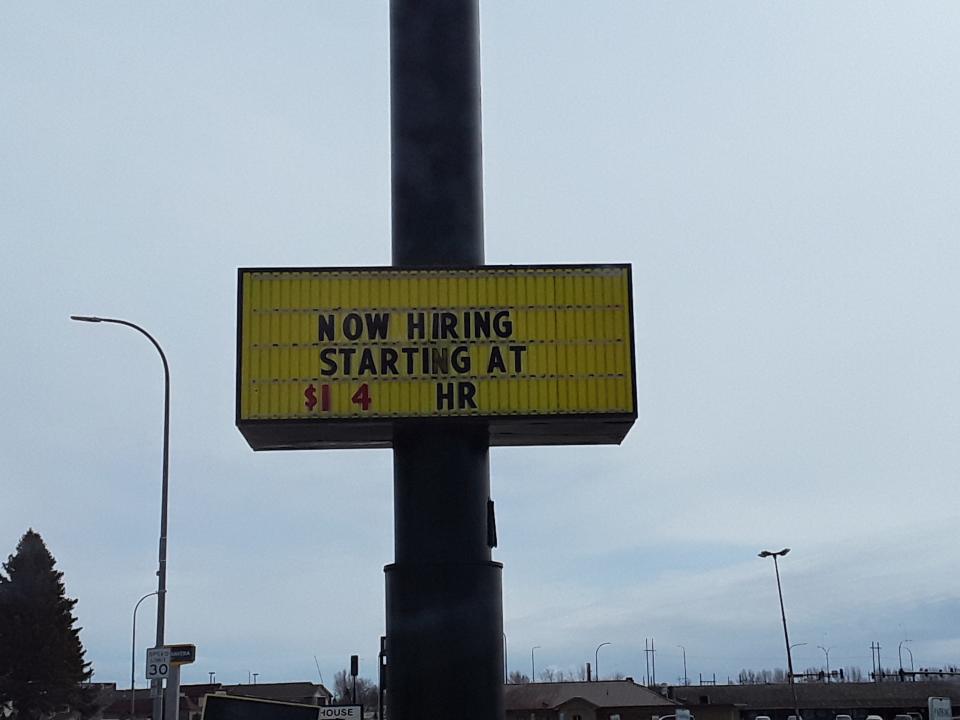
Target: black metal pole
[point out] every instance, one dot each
(786, 639)
(159, 711)
(444, 612)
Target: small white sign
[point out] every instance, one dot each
(338, 712)
(939, 708)
(158, 663)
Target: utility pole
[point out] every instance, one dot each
(444, 606)
(875, 659)
(653, 661)
(646, 656)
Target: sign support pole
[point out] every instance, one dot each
(171, 701)
(444, 607)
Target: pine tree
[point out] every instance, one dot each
(42, 670)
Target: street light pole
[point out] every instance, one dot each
(162, 562)
(533, 667)
(505, 675)
(133, 654)
(783, 616)
(596, 660)
(684, 664)
(826, 652)
(900, 655)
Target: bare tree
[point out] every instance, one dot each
(517, 678)
(367, 692)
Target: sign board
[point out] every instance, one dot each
(182, 654)
(227, 707)
(158, 663)
(939, 708)
(339, 712)
(339, 357)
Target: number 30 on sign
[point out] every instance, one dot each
(158, 663)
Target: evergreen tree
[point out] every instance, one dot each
(42, 670)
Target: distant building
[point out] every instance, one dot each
(817, 701)
(116, 703)
(601, 700)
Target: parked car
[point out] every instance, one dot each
(874, 717)
(842, 717)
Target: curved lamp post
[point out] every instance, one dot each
(900, 654)
(596, 659)
(783, 615)
(162, 569)
(685, 683)
(826, 652)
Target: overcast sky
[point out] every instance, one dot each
(784, 179)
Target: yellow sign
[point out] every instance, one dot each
(335, 357)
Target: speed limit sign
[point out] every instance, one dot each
(158, 663)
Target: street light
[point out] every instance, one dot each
(900, 654)
(826, 652)
(133, 654)
(505, 675)
(533, 667)
(162, 569)
(685, 683)
(783, 615)
(596, 660)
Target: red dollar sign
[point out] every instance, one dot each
(311, 395)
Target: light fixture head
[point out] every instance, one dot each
(85, 318)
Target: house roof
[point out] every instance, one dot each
(116, 703)
(601, 694)
(773, 696)
(290, 691)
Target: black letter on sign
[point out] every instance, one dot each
(460, 359)
(465, 394)
(367, 365)
(327, 357)
(352, 326)
(518, 351)
(444, 396)
(496, 361)
(502, 325)
(377, 325)
(415, 325)
(325, 327)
